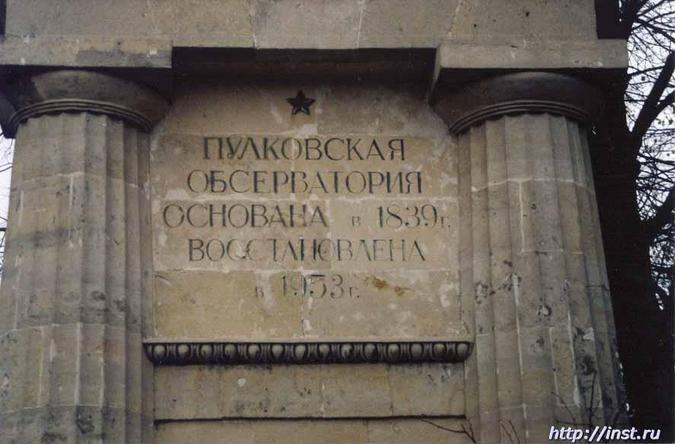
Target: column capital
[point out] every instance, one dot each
(65, 91)
(468, 104)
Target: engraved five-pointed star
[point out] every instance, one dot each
(300, 103)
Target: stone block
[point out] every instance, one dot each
(486, 367)
(213, 23)
(411, 384)
(514, 53)
(390, 23)
(125, 17)
(20, 385)
(508, 367)
(314, 391)
(86, 51)
(287, 24)
(115, 364)
(188, 394)
(360, 397)
(563, 354)
(492, 20)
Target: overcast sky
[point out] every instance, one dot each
(5, 159)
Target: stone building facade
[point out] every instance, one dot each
(303, 221)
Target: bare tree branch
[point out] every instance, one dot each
(663, 216)
(653, 104)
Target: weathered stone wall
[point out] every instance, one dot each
(408, 253)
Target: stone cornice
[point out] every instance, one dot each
(468, 104)
(66, 91)
(306, 352)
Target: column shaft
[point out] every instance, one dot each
(70, 307)
(533, 272)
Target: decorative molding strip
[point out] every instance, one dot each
(306, 352)
(78, 106)
(517, 107)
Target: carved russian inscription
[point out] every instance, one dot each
(295, 236)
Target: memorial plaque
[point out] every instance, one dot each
(305, 262)
(286, 236)
(298, 234)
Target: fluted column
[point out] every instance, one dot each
(533, 278)
(71, 363)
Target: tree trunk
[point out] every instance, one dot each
(643, 329)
